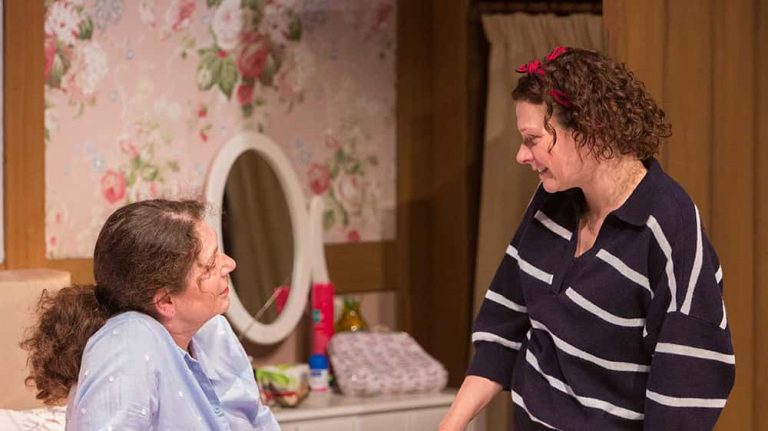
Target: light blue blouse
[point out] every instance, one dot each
(134, 377)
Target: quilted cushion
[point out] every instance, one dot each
(371, 363)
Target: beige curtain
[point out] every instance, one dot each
(506, 186)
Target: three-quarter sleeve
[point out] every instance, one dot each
(499, 330)
(693, 365)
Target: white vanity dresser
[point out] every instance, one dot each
(332, 412)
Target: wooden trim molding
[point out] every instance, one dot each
(360, 267)
(24, 140)
(353, 268)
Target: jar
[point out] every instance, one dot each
(351, 319)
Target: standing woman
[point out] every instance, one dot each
(147, 347)
(606, 312)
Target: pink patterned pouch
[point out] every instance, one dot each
(374, 363)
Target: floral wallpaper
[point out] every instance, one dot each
(140, 95)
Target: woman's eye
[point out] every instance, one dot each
(209, 270)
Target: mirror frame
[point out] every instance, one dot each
(303, 241)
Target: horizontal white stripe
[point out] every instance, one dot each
(493, 338)
(517, 399)
(714, 403)
(695, 269)
(554, 227)
(501, 299)
(653, 224)
(605, 363)
(585, 401)
(625, 270)
(528, 268)
(695, 352)
(719, 274)
(724, 322)
(602, 314)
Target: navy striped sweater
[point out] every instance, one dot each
(630, 335)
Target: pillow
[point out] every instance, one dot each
(370, 363)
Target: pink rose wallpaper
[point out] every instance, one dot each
(141, 94)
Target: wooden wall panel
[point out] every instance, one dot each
(437, 180)
(712, 65)
(636, 33)
(761, 214)
(451, 260)
(23, 125)
(688, 85)
(353, 268)
(733, 176)
(414, 130)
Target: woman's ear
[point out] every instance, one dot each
(164, 304)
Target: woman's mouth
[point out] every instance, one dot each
(224, 292)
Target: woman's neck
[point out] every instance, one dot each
(181, 334)
(610, 185)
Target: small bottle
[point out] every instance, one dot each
(318, 373)
(351, 319)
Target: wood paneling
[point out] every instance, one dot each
(732, 228)
(688, 83)
(451, 222)
(437, 179)
(712, 65)
(23, 125)
(358, 267)
(635, 32)
(761, 219)
(414, 129)
(353, 268)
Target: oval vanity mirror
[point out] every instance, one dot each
(256, 230)
(264, 225)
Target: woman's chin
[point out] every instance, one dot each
(550, 185)
(224, 307)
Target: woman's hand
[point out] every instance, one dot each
(472, 397)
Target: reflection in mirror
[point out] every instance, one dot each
(257, 233)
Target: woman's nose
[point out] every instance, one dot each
(523, 155)
(229, 264)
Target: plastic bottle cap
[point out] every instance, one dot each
(318, 361)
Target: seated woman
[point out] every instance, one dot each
(146, 347)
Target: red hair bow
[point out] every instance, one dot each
(533, 66)
(560, 97)
(556, 52)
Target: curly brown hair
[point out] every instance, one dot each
(608, 109)
(142, 247)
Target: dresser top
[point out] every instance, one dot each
(328, 405)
